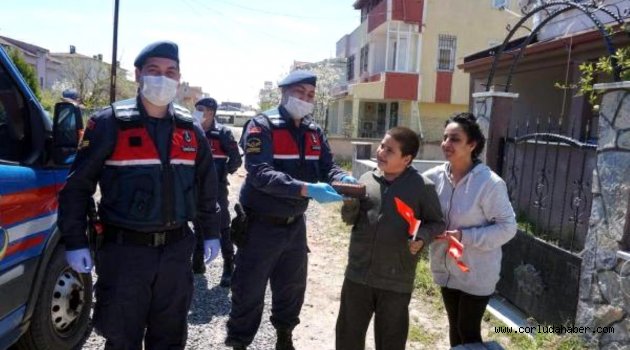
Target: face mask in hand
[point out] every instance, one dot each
(159, 90)
(298, 108)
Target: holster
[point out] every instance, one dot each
(238, 226)
(95, 230)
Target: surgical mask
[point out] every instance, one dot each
(159, 90)
(198, 115)
(298, 108)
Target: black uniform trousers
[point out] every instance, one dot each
(144, 292)
(272, 253)
(227, 247)
(358, 303)
(465, 312)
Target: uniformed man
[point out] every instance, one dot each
(227, 159)
(286, 157)
(156, 173)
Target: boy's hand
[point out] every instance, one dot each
(415, 246)
(349, 210)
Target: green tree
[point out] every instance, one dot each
(27, 71)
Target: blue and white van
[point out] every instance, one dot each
(43, 303)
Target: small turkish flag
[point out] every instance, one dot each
(455, 250)
(407, 213)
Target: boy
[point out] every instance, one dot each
(381, 260)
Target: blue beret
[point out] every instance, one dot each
(164, 49)
(207, 102)
(70, 93)
(299, 77)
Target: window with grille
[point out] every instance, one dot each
(446, 52)
(364, 58)
(499, 4)
(350, 68)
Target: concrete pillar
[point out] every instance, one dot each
(356, 104)
(493, 111)
(604, 298)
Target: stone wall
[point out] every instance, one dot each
(604, 299)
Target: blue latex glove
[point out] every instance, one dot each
(80, 260)
(349, 179)
(211, 248)
(322, 192)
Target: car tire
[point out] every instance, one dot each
(61, 318)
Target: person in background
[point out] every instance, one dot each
(382, 258)
(286, 157)
(227, 159)
(155, 172)
(478, 213)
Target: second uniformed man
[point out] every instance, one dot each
(286, 157)
(227, 160)
(156, 173)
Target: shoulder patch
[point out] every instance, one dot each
(253, 145)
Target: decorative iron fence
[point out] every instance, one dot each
(549, 177)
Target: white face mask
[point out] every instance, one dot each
(159, 90)
(298, 108)
(198, 115)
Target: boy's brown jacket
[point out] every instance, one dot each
(379, 253)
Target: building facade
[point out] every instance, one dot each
(401, 63)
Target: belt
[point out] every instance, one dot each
(275, 220)
(150, 239)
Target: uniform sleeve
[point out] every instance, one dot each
(231, 148)
(431, 214)
(258, 146)
(96, 146)
(498, 211)
(329, 170)
(208, 212)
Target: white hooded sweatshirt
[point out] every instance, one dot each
(479, 206)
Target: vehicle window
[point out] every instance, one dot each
(13, 119)
(67, 127)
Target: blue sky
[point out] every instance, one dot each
(229, 47)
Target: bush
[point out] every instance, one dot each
(27, 71)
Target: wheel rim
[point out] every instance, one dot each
(67, 301)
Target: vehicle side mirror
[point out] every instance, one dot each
(67, 132)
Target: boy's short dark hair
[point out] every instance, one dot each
(408, 140)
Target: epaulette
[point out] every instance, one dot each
(273, 115)
(126, 110)
(182, 113)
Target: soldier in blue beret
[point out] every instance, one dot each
(163, 49)
(227, 159)
(156, 174)
(288, 161)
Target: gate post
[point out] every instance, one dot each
(604, 296)
(493, 111)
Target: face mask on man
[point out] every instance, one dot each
(198, 115)
(159, 90)
(298, 108)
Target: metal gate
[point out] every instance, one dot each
(549, 175)
(549, 182)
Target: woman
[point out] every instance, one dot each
(478, 213)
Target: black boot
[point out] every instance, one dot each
(198, 265)
(239, 347)
(285, 340)
(228, 268)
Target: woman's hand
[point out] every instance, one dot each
(454, 233)
(415, 246)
